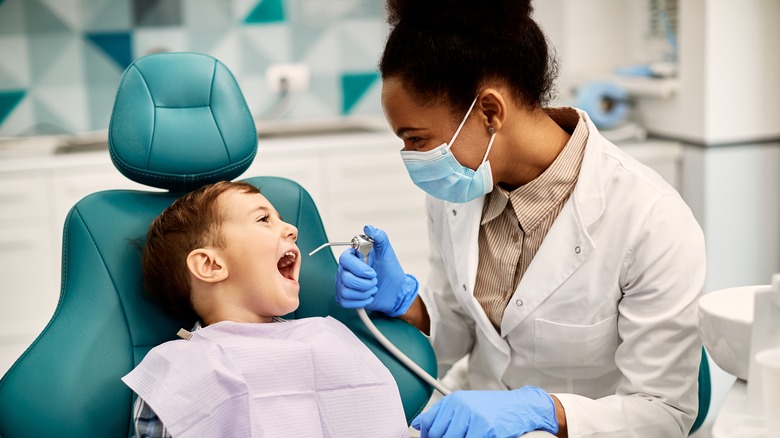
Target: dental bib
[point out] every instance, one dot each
(309, 377)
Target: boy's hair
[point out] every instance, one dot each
(191, 222)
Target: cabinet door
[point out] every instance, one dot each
(302, 167)
(30, 289)
(30, 286)
(371, 186)
(70, 185)
(23, 197)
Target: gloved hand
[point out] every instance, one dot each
(489, 414)
(379, 285)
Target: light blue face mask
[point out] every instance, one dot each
(439, 173)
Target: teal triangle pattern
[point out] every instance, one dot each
(41, 20)
(12, 19)
(354, 86)
(47, 122)
(8, 101)
(118, 46)
(108, 15)
(266, 11)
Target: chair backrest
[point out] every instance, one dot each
(705, 391)
(179, 122)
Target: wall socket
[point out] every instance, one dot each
(295, 77)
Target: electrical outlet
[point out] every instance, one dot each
(292, 77)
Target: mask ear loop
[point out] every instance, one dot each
(490, 145)
(463, 122)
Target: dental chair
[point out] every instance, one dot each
(179, 121)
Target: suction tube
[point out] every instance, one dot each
(363, 244)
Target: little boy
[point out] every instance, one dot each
(223, 255)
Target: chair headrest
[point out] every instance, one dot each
(179, 122)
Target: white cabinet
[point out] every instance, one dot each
(354, 179)
(371, 186)
(28, 290)
(25, 257)
(36, 195)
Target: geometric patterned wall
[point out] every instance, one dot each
(61, 60)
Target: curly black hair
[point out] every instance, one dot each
(444, 50)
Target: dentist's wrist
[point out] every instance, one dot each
(406, 296)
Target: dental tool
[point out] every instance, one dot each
(363, 244)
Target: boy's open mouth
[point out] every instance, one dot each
(286, 265)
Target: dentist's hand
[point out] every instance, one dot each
(379, 285)
(489, 414)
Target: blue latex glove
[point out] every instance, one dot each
(489, 414)
(379, 285)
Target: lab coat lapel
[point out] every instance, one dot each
(464, 220)
(567, 244)
(464, 230)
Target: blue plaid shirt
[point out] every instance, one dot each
(147, 423)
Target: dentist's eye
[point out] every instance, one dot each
(262, 219)
(413, 143)
(416, 141)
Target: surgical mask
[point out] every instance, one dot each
(439, 173)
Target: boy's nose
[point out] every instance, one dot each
(291, 232)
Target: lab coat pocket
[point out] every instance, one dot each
(575, 351)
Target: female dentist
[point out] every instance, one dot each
(567, 271)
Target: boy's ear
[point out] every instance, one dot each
(206, 265)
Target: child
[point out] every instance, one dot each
(223, 255)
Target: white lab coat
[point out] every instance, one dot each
(605, 315)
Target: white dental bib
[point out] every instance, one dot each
(310, 377)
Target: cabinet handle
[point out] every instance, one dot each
(11, 198)
(15, 245)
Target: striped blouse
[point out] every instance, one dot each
(514, 223)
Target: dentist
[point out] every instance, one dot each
(564, 270)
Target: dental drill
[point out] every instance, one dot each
(363, 244)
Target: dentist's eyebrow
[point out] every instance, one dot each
(405, 130)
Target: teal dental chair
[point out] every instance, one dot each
(179, 122)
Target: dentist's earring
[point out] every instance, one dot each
(491, 130)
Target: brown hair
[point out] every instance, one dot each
(191, 222)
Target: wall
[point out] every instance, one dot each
(61, 60)
(727, 109)
(729, 65)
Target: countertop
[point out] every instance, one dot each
(733, 421)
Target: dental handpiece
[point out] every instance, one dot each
(363, 244)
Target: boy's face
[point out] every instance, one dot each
(262, 258)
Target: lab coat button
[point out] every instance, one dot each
(577, 250)
(519, 303)
(454, 212)
(464, 287)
